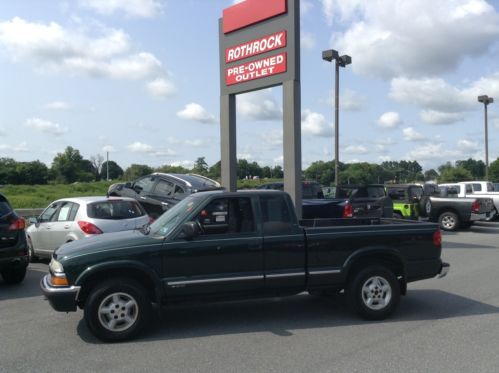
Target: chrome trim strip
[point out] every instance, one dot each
(374, 231)
(259, 237)
(214, 280)
(290, 274)
(326, 272)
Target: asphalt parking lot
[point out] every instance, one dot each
(442, 325)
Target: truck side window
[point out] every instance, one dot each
(275, 215)
(477, 187)
(227, 216)
(469, 189)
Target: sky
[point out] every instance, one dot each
(139, 79)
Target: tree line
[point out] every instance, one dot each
(70, 166)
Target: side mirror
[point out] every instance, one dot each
(128, 185)
(191, 229)
(33, 220)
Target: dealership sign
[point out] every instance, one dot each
(257, 45)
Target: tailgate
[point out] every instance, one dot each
(366, 207)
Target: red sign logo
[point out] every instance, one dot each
(254, 47)
(258, 69)
(250, 12)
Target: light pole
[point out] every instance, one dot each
(330, 55)
(486, 100)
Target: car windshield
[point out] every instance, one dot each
(169, 220)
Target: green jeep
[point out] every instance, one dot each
(406, 199)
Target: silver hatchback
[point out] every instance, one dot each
(71, 219)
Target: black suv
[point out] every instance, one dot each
(13, 248)
(157, 192)
(310, 189)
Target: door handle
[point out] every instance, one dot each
(142, 197)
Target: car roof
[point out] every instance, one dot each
(91, 199)
(191, 180)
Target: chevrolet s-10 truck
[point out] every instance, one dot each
(226, 245)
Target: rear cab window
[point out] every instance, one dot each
(115, 210)
(276, 217)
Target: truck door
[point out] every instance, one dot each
(227, 257)
(283, 244)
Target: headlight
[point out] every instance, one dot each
(55, 266)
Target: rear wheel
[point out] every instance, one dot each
(14, 276)
(31, 252)
(396, 215)
(117, 310)
(449, 221)
(373, 292)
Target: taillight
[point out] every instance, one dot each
(89, 228)
(437, 238)
(348, 211)
(17, 225)
(475, 207)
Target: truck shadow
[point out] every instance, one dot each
(282, 316)
(460, 245)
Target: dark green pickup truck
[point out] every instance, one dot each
(236, 245)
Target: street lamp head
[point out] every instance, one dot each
(485, 99)
(344, 60)
(330, 54)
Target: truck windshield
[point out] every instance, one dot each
(169, 220)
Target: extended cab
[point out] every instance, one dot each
(477, 189)
(440, 204)
(236, 245)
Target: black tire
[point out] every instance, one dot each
(449, 221)
(31, 253)
(373, 292)
(396, 215)
(425, 207)
(14, 276)
(114, 295)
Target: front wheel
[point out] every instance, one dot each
(117, 310)
(448, 221)
(373, 292)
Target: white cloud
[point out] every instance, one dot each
(185, 163)
(305, 6)
(161, 88)
(355, 149)
(134, 8)
(109, 148)
(438, 117)
(389, 119)
(20, 148)
(315, 124)
(410, 134)
(273, 138)
(196, 113)
(99, 52)
(351, 100)
(307, 40)
(390, 38)
(467, 146)
(139, 147)
(259, 105)
(45, 126)
(434, 151)
(3, 132)
(57, 105)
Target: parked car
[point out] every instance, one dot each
(351, 201)
(220, 245)
(158, 192)
(477, 189)
(443, 206)
(13, 248)
(405, 199)
(309, 189)
(72, 219)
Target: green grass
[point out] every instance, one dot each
(39, 196)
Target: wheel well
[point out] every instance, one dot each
(444, 210)
(388, 260)
(126, 273)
